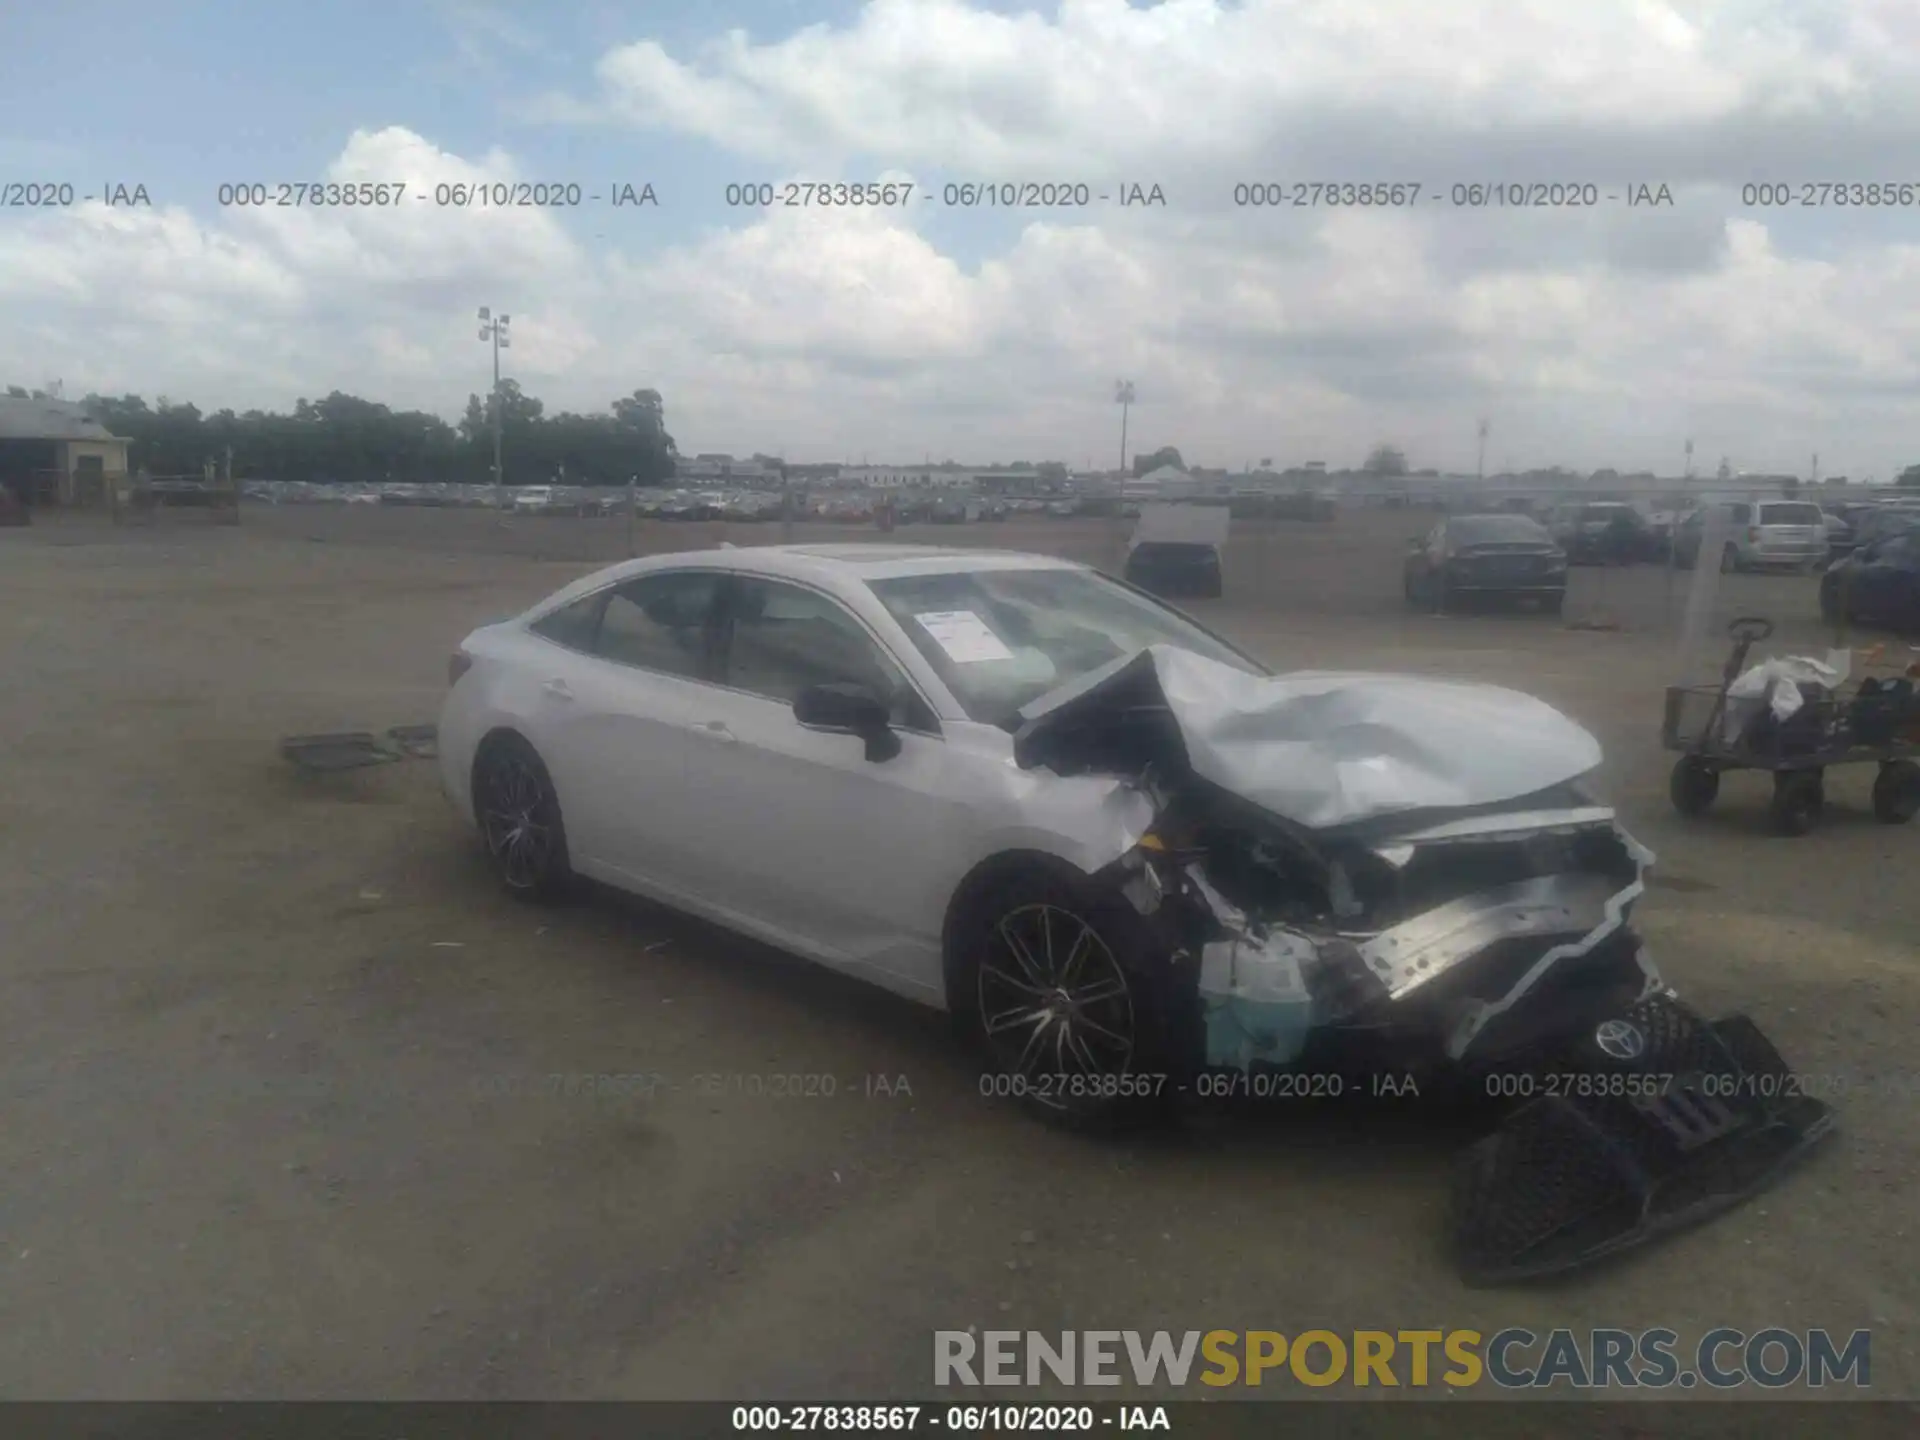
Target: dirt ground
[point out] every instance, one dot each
(273, 1125)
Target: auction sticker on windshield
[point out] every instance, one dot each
(964, 636)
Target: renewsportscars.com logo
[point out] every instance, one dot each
(1722, 1359)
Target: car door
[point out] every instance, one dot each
(629, 734)
(847, 858)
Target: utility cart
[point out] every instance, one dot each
(1876, 724)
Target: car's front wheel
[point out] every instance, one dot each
(1064, 996)
(520, 820)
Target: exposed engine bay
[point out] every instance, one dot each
(1453, 905)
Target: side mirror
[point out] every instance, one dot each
(854, 709)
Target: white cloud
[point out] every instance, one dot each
(1105, 85)
(1589, 337)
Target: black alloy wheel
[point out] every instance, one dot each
(1059, 991)
(519, 815)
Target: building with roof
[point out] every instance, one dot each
(53, 452)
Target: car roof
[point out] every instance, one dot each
(832, 566)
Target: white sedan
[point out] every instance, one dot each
(1134, 865)
(814, 745)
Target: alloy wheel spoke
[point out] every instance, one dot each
(1078, 1048)
(1075, 957)
(1031, 1050)
(1001, 977)
(1109, 989)
(1022, 955)
(1112, 1037)
(1012, 1019)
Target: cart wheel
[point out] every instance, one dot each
(1798, 798)
(1694, 785)
(1896, 792)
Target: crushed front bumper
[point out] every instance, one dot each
(1608, 1151)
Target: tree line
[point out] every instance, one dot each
(344, 439)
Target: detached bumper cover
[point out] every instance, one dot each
(1609, 1154)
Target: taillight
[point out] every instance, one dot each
(1753, 535)
(458, 664)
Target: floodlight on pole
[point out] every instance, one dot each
(496, 331)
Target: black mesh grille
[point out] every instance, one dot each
(1576, 1175)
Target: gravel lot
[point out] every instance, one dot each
(266, 1036)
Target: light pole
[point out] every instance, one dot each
(1123, 396)
(1480, 469)
(496, 331)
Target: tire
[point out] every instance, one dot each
(1693, 786)
(1799, 796)
(1830, 604)
(1004, 989)
(520, 821)
(1896, 792)
(1556, 604)
(1729, 560)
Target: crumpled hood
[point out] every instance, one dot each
(1320, 748)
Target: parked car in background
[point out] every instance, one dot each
(1870, 522)
(1878, 584)
(1761, 535)
(1175, 551)
(1840, 537)
(1660, 527)
(1502, 556)
(1602, 532)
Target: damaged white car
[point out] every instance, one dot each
(1128, 859)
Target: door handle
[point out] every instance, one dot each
(716, 730)
(556, 690)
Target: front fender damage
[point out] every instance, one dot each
(1480, 937)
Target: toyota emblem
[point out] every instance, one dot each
(1621, 1039)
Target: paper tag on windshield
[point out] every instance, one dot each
(964, 636)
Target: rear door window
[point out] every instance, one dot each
(572, 625)
(663, 623)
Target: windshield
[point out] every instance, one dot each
(1003, 638)
(1497, 530)
(1800, 513)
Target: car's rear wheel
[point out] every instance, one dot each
(520, 820)
(1063, 993)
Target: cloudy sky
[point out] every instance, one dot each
(1588, 333)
